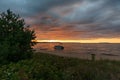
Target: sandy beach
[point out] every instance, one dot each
(82, 55)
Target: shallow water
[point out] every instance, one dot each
(78, 48)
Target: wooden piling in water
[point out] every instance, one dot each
(93, 57)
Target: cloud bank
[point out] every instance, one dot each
(69, 19)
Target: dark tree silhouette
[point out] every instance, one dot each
(15, 37)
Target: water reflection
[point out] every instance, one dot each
(75, 48)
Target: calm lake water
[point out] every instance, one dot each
(78, 48)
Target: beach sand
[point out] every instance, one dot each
(82, 55)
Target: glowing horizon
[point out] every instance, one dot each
(100, 40)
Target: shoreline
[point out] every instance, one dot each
(82, 55)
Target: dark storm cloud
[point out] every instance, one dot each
(44, 5)
(75, 19)
(100, 18)
(30, 7)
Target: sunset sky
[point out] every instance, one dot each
(87, 21)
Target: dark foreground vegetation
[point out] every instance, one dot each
(15, 38)
(49, 67)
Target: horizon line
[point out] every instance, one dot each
(115, 40)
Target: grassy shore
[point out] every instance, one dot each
(49, 67)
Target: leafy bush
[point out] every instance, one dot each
(15, 38)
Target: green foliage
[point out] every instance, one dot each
(15, 38)
(48, 67)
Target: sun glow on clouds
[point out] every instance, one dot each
(78, 21)
(70, 20)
